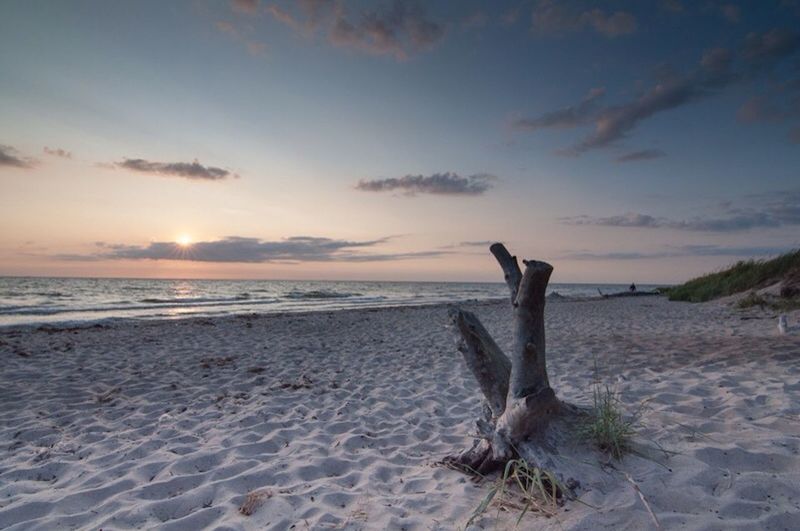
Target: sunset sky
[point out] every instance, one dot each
(620, 141)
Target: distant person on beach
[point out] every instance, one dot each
(632, 288)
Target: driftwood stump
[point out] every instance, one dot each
(521, 416)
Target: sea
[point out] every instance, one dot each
(65, 301)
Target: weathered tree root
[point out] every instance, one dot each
(522, 417)
(478, 460)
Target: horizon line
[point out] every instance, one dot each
(244, 279)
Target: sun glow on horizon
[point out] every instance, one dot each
(184, 240)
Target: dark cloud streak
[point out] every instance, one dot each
(561, 16)
(188, 170)
(236, 249)
(763, 49)
(401, 30)
(437, 184)
(57, 152)
(615, 122)
(580, 114)
(765, 211)
(645, 154)
(715, 72)
(677, 252)
(10, 157)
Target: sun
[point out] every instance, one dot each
(184, 240)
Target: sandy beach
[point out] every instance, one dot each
(334, 420)
(400, 265)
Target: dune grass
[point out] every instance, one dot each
(608, 426)
(522, 488)
(742, 276)
(752, 299)
(779, 305)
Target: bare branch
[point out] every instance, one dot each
(486, 360)
(510, 267)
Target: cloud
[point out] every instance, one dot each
(579, 114)
(399, 31)
(732, 223)
(714, 72)
(10, 157)
(779, 104)
(645, 154)
(58, 152)
(249, 7)
(437, 184)
(314, 14)
(677, 251)
(550, 16)
(717, 65)
(282, 16)
(252, 250)
(630, 219)
(760, 109)
(616, 255)
(614, 122)
(483, 244)
(763, 211)
(188, 170)
(253, 46)
(764, 49)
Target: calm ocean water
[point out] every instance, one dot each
(67, 300)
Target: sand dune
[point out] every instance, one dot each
(333, 420)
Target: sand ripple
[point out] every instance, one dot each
(340, 416)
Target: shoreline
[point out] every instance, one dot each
(336, 418)
(554, 298)
(66, 302)
(107, 322)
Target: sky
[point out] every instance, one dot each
(646, 141)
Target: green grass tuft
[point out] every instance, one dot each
(752, 299)
(608, 426)
(742, 276)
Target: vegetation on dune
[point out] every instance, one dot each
(742, 276)
(750, 300)
(781, 305)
